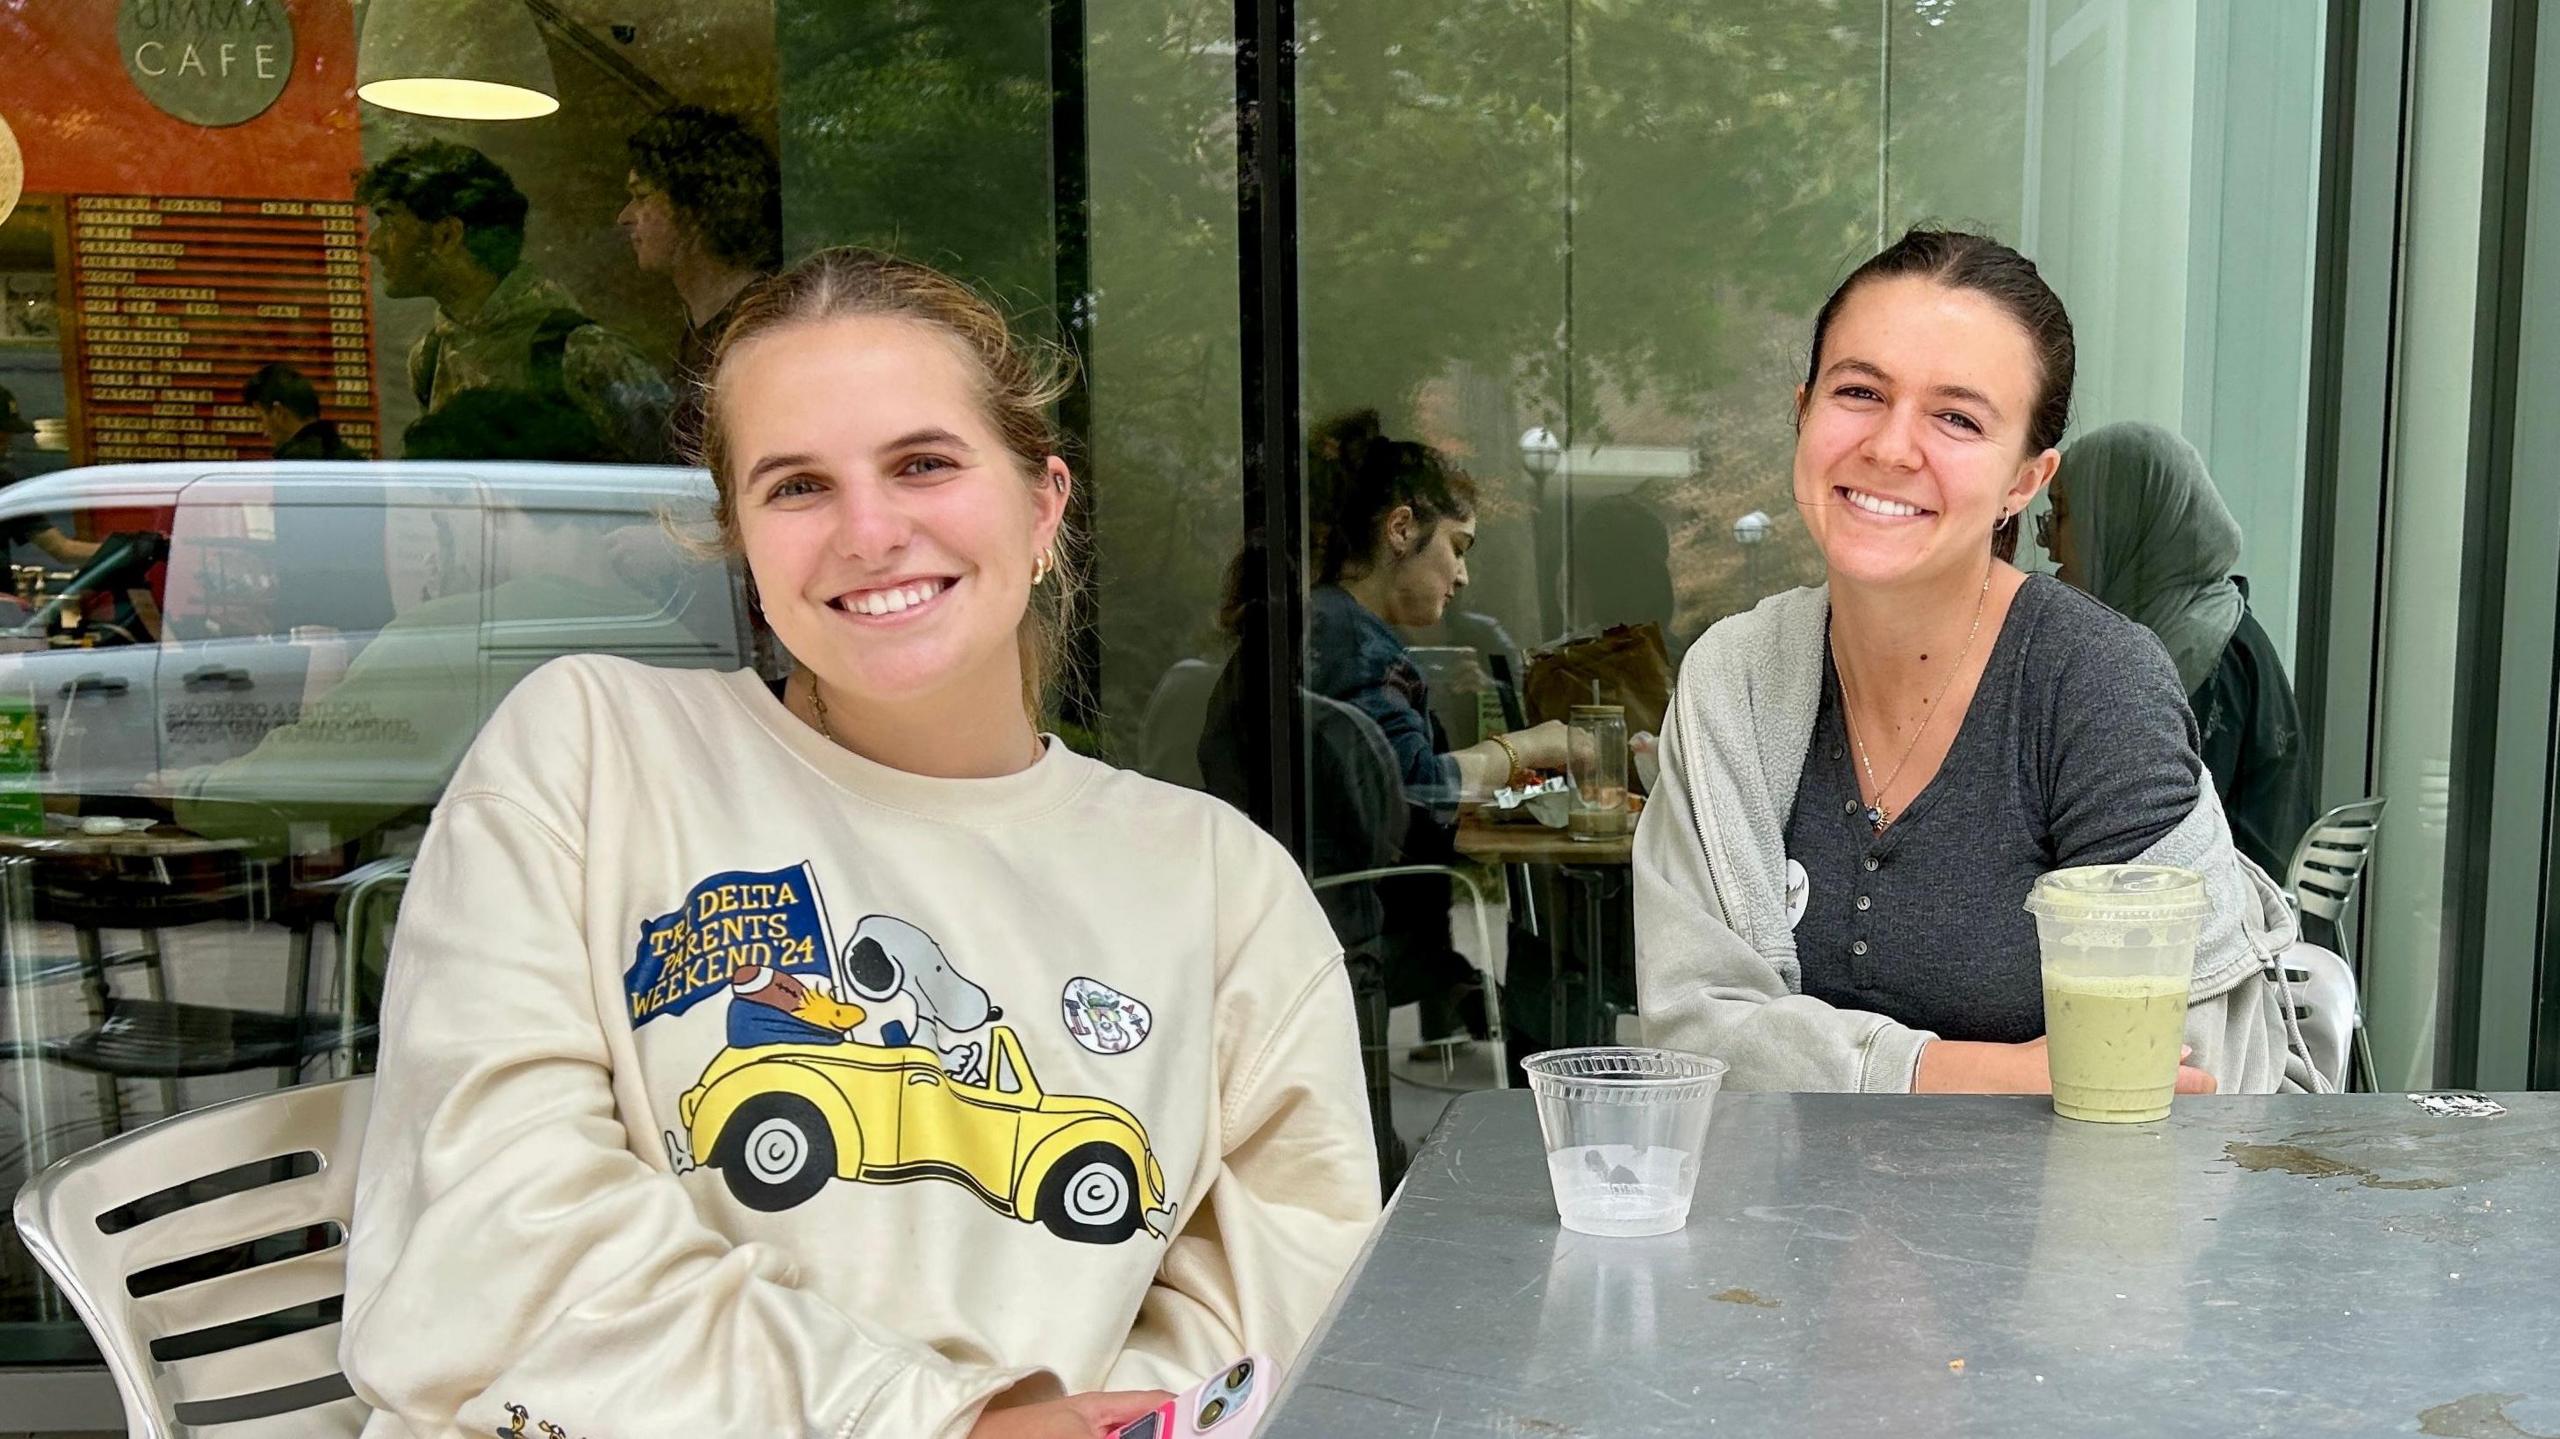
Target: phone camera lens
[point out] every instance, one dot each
(1212, 1412)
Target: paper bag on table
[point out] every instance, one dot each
(1630, 664)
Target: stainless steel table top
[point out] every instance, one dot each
(1971, 1265)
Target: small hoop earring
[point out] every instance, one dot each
(1041, 564)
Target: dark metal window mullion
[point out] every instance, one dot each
(1070, 188)
(2482, 598)
(1274, 630)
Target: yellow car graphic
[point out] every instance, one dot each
(780, 1120)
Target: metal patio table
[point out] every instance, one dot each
(1598, 892)
(1921, 1265)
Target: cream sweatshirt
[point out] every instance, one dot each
(732, 1084)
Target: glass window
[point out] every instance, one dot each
(327, 422)
(1577, 258)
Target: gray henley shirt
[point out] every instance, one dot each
(2078, 748)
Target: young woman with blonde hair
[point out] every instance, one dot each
(855, 1059)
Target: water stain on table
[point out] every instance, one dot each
(2312, 1164)
(2476, 1416)
(1526, 1428)
(1744, 1296)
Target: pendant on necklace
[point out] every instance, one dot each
(1877, 817)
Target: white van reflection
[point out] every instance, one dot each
(310, 646)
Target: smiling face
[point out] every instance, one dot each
(1912, 438)
(890, 532)
(1433, 568)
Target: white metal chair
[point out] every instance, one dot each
(2323, 880)
(2326, 1007)
(223, 1349)
(1477, 911)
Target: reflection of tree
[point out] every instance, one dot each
(921, 127)
(1724, 170)
(1722, 167)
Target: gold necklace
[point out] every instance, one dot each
(1876, 814)
(818, 708)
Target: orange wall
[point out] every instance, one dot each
(86, 130)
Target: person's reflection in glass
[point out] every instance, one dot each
(12, 425)
(1389, 528)
(2137, 522)
(706, 212)
(448, 225)
(288, 408)
(1622, 564)
(36, 530)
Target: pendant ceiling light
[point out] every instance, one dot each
(456, 59)
(13, 170)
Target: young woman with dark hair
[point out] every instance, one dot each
(1861, 780)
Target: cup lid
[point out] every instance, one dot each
(2133, 893)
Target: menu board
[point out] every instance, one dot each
(179, 301)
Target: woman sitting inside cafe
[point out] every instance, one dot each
(1390, 525)
(2134, 520)
(1862, 780)
(846, 1057)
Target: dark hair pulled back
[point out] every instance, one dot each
(1357, 476)
(1962, 260)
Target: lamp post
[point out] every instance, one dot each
(1542, 454)
(1749, 532)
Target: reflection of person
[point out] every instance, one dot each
(2137, 522)
(340, 583)
(12, 425)
(449, 225)
(34, 530)
(382, 741)
(1622, 564)
(563, 1051)
(706, 212)
(2141, 526)
(1390, 525)
(116, 574)
(1909, 748)
(289, 408)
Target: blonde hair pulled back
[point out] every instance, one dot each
(1019, 385)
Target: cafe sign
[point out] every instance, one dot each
(208, 62)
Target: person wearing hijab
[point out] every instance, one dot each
(2137, 523)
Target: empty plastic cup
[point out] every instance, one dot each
(2119, 947)
(1624, 1128)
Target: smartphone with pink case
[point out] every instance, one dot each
(1226, 1405)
